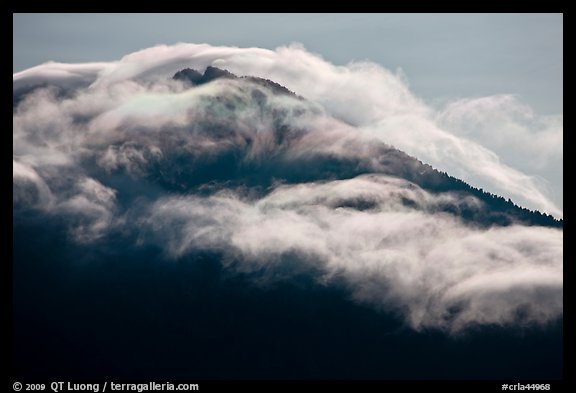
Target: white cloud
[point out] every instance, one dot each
(521, 138)
(90, 209)
(59, 74)
(29, 187)
(369, 96)
(431, 268)
(385, 238)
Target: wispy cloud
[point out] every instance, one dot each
(371, 97)
(206, 168)
(428, 267)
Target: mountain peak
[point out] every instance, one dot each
(195, 78)
(211, 73)
(189, 75)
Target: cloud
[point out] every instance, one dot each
(368, 96)
(280, 185)
(430, 268)
(29, 187)
(89, 209)
(65, 76)
(521, 138)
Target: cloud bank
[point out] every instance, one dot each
(280, 185)
(428, 267)
(371, 97)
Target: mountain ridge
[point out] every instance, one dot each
(424, 175)
(211, 73)
(391, 161)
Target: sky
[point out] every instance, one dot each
(443, 56)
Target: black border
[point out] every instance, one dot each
(352, 385)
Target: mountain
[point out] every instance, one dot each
(213, 226)
(496, 210)
(195, 78)
(229, 167)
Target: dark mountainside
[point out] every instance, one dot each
(126, 311)
(497, 210)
